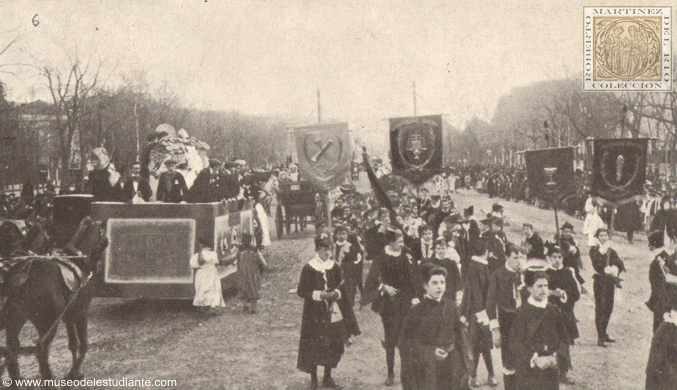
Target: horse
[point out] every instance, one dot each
(10, 234)
(37, 291)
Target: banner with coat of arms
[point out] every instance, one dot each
(550, 173)
(416, 147)
(324, 154)
(619, 168)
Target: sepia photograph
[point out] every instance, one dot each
(269, 194)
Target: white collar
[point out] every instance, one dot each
(339, 243)
(508, 267)
(480, 260)
(321, 265)
(657, 251)
(391, 252)
(433, 299)
(541, 304)
(561, 266)
(667, 317)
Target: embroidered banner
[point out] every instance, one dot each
(619, 168)
(550, 173)
(324, 154)
(416, 147)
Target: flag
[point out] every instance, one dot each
(416, 147)
(619, 168)
(380, 195)
(324, 154)
(550, 173)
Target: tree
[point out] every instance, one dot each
(69, 89)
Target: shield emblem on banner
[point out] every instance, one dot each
(324, 154)
(550, 173)
(619, 168)
(416, 144)
(323, 151)
(416, 147)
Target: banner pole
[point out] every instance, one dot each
(330, 228)
(557, 223)
(613, 218)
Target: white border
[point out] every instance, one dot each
(589, 84)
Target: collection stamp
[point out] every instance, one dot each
(627, 49)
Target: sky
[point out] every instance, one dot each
(270, 57)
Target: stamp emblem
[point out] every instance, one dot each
(627, 49)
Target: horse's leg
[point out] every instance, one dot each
(73, 346)
(46, 338)
(81, 331)
(14, 321)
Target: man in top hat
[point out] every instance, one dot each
(171, 186)
(208, 184)
(135, 186)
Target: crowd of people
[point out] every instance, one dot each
(449, 286)
(447, 283)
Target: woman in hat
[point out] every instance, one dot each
(607, 267)
(321, 342)
(392, 287)
(104, 181)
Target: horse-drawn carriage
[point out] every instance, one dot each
(295, 205)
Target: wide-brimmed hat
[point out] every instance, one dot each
(567, 225)
(492, 220)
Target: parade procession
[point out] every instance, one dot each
(295, 195)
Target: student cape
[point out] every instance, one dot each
(541, 331)
(321, 342)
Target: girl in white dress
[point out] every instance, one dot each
(207, 282)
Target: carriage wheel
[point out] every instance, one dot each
(288, 220)
(279, 221)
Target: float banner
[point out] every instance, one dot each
(550, 173)
(324, 154)
(619, 168)
(416, 147)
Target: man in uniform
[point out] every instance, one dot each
(171, 186)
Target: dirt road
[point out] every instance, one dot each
(234, 350)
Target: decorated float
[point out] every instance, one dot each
(150, 243)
